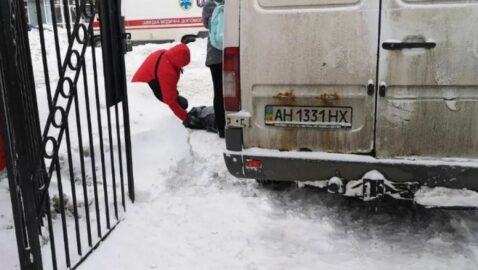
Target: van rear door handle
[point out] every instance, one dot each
(408, 45)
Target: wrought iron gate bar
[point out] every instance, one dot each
(92, 149)
(120, 156)
(67, 134)
(67, 20)
(112, 32)
(69, 96)
(45, 63)
(73, 188)
(100, 129)
(20, 124)
(55, 34)
(55, 162)
(113, 177)
(62, 212)
(82, 167)
(52, 236)
(72, 37)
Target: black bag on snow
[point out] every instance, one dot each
(203, 118)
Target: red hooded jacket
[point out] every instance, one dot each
(169, 70)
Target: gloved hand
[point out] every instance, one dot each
(192, 122)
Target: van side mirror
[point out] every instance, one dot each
(186, 39)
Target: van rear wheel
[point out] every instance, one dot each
(275, 185)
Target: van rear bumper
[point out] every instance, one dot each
(313, 166)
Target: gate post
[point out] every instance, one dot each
(20, 127)
(114, 49)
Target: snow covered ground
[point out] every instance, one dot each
(191, 214)
(8, 243)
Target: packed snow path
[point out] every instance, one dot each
(193, 215)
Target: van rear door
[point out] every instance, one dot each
(429, 79)
(308, 73)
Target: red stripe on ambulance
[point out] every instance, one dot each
(165, 27)
(157, 23)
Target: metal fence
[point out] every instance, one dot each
(69, 183)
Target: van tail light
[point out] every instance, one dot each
(254, 164)
(231, 85)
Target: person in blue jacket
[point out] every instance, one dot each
(214, 62)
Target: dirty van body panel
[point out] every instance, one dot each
(426, 127)
(296, 58)
(430, 103)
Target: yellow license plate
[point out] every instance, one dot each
(314, 117)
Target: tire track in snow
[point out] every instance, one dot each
(348, 232)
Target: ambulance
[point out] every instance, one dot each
(162, 20)
(372, 97)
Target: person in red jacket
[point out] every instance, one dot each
(161, 70)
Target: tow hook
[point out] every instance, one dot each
(336, 186)
(373, 189)
(375, 186)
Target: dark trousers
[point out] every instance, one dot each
(154, 85)
(216, 72)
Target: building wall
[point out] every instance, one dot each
(32, 12)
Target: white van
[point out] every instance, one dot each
(375, 96)
(162, 20)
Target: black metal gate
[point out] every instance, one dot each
(67, 182)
